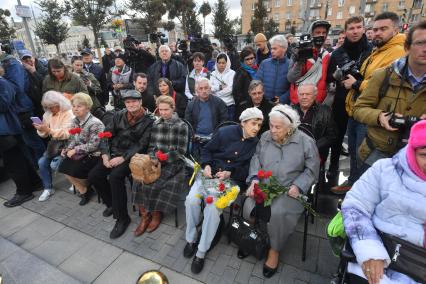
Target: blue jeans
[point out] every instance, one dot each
(356, 134)
(46, 166)
(34, 144)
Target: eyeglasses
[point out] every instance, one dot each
(249, 58)
(420, 43)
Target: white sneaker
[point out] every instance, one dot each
(46, 194)
(71, 188)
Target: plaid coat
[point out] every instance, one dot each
(170, 137)
(87, 141)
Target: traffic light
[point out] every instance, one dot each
(404, 27)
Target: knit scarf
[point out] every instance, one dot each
(250, 69)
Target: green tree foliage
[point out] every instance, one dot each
(91, 13)
(52, 29)
(222, 24)
(236, 25)
(184, 11)
(271, 28)
(257, 24)
(168, 26)
(205, 10)
(148, 13)
(6, 31)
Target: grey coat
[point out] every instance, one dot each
(295, 162)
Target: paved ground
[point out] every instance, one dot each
(58, 241)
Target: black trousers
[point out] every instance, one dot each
(355, 279)
(20, 169)
(341, 119)
(112, 190)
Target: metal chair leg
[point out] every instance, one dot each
(176, 218)
(305, 235)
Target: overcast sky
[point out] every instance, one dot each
(234, 10)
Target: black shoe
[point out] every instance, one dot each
(107, 212)
(17, 200)
(242, 254)
(85, 197)
(119, 228)
(189, 250)
(197, 265)
(269, 272)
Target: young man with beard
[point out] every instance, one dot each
(354, 48)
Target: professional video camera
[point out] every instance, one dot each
(200, 44)
(158, 38)
(6, 46)
(137, 58)
(305, 48)
(230, 42)
(404, 124)
(350, 67)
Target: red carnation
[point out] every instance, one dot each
(221, 186)
(209, 199)
(261, 174)
(105, 135)
(205, 70)
(259, 195)
(162, 157)
(268, 174)
(101, 135)
(74, 131)
(116, 72)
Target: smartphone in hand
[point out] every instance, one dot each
(36, 120)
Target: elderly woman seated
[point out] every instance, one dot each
(55, 125)
(390, 197)
(226, 156)
(293, 158)
(82, 152)
(170, 136)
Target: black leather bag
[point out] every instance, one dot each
(250, 238)
(405, 257)
(54, 148)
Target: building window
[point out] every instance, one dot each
(266, 4)
(352, 10)
(253, 6)
(339, 15)
(385, 7)
(288, 15)
(277, 17)
(289, 2)
(277, 3)
(340, 3)
(401, 4)
(330, 12)
(368, 8)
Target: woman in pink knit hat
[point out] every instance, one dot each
(389, 197)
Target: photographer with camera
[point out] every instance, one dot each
(393, 100)
(168, 68)
(310, 61)
(229, 48)
(346, 60)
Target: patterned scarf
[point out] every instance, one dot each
(250, 69)
(133, 118)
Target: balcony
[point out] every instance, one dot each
(370, 14)
(315, 6)
(370, 1)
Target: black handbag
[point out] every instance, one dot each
(406, 257)
(250, 238)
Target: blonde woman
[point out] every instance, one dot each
(81, 154)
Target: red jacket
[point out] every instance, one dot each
(321, 85)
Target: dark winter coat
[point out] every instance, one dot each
(9, 122)
(273, 74)
(127, 140)
(175, 72)
(229, 151)
(218, 110)
(240, 86)
(319, 121)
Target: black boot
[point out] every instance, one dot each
(18, 199)
(197, 265)
(119, 228)
(85, 197)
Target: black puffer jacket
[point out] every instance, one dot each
(318, 121)
(127, 140)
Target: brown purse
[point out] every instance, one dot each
(143, 169)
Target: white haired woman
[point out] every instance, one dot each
(82, 151)
(56, 122)
(293, 158)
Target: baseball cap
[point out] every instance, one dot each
(86, 51)
(25, 53)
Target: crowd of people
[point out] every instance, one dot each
(280, 108)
